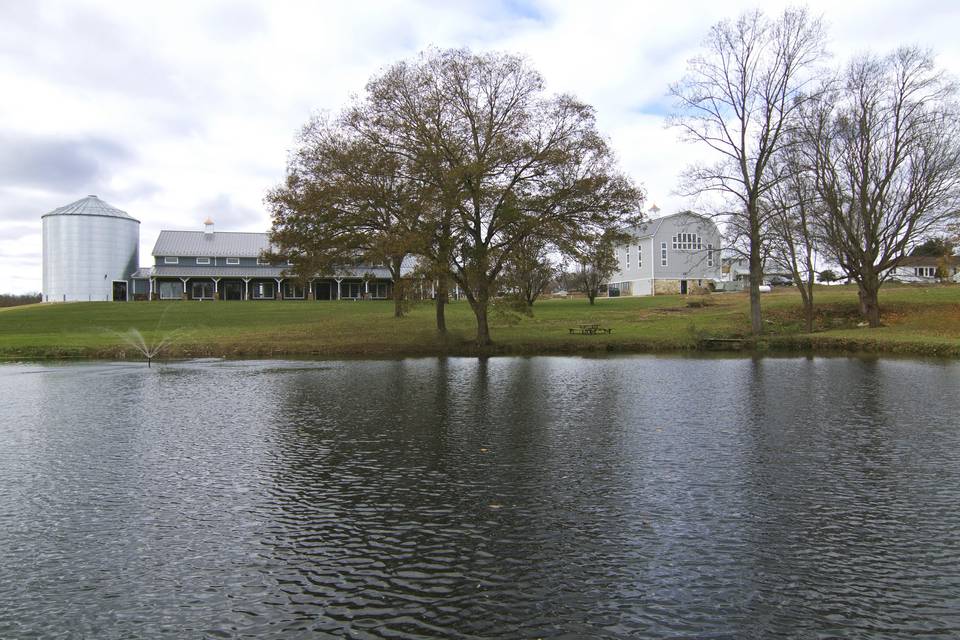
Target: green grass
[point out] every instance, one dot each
(917, 320)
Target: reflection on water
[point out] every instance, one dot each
(509, 497)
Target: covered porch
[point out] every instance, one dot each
(205, 283)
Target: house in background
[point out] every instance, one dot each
(735, 272)
(679, 253)
(924, 269)
(217, 265)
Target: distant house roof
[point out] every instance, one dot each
(927, 261)
(219, 244)
(90, 206)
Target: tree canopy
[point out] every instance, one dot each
(459, 158)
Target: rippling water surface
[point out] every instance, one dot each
(510, 497)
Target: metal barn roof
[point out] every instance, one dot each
(90, 206)
(219, 244)
(171, 271)
(651, 226)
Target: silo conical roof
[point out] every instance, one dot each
(89, 206)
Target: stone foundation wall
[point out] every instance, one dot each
(672, 287)
(666, 287)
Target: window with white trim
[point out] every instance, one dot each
(171, 260)
(262, 262)
(378, 290)
(233, 260)
(709, 255)
(203, 260)
(639, 256)
(663, 254)
(687, 241)
(925, 272)
(626, 259)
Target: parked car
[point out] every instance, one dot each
(781, 281)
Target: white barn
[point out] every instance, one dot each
(679, 253)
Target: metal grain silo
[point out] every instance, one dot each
(90, 250)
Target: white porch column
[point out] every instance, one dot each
(184, 280)
(216, 288)
(338, 288)
(366, 289)
(246, 288)
(278, 295)
(150, 287)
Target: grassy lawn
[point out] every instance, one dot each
(918, 319)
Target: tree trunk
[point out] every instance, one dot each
(441, 301)
(591, 295)
(806, 297)
(756, 278)
(529, 298)
(399, 288)
(868, 290)
(480, 307)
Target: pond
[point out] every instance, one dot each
(643, 496)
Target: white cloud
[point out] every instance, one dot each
(179, 110)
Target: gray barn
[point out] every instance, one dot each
(679, 253)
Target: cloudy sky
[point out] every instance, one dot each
(178, 111)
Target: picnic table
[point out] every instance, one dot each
(589, 329)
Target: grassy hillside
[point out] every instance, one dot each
(918, 319)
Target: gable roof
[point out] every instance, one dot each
(219, 244)
(651, 227)
(927, 261)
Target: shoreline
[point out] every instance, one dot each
(920, 321)
(776, 346)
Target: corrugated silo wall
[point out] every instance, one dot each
(84, 254)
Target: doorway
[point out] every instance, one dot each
(233, 290)
(321, 290)
(683, 287)
(119, 291)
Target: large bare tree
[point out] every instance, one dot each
(737, 99)
(790, 209)
(885, 148)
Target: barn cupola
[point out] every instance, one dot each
(208, 227)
